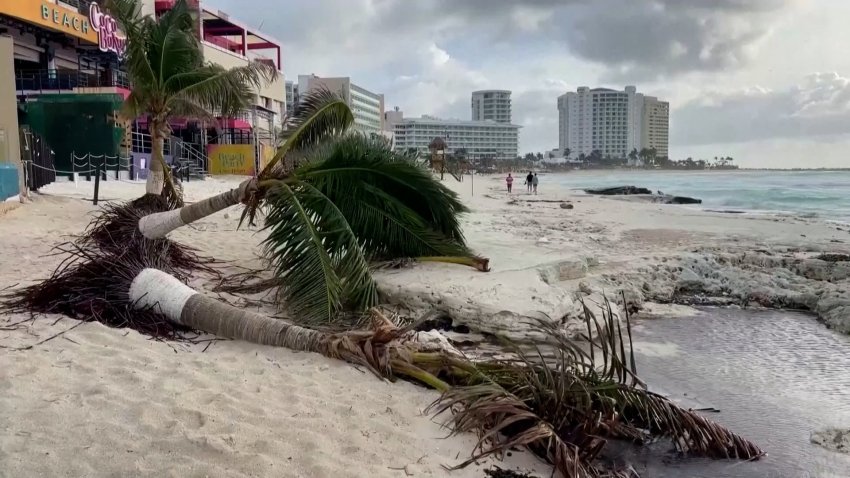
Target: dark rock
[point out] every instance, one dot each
(683, 200)
(434, 320)
(619, 190)
(834, 257)
(497, 472)
(566, 206)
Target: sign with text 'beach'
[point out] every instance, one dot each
(50, 15)
(235, 159)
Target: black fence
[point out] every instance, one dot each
(58, 80)
(36, 154)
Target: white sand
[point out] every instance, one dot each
(105, 402)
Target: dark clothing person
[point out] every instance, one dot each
(528, 180)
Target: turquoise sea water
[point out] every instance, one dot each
(823, 194)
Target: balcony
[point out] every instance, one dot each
(81, 5)
(57, 81)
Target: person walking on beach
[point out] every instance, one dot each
(528, 180)
(510, 182)
(535, 182)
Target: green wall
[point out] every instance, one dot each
(76, 124)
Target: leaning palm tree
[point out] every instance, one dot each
(336, 201)
(170, 78)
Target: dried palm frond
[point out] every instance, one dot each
(563, 403)
(115, 228)
(92, 284)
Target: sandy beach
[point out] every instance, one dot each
(97, 401)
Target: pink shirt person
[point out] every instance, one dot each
(510, 182)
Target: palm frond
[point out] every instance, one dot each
(137, 28)
(316, 256)
(228, 91)
(173, 48)
(396, 208)
(320, 116)
(564, 401)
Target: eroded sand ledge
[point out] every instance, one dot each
(546, 259)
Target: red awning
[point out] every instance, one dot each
(234, 123)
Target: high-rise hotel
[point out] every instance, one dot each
(612, 122)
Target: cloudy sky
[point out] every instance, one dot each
(766, 81)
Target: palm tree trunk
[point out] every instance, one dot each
(154, 289)
(156, 170)
(480, 263)
(158, 225)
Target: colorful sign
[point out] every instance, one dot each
(235, 159)
(267, 154)
(52, 16)
(108, 39)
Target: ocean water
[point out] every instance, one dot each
(775, 376)
(822, 194)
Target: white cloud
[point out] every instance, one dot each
(818, 106)
(426, 56)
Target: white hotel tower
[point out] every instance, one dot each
(613, 122)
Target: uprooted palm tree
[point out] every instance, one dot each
(169, 78)
(563, 405)
(336, 202)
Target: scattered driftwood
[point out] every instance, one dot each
(618, 191)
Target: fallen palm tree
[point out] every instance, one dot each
(563, 402)
(335, 202)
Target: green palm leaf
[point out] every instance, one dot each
(318, 262)
(227, 91)
(396, 208)
(320, 115)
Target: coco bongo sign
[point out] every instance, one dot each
(108, 38)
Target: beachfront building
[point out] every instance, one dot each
(367, 107)
(291, 97)
(60, 83)
(478, 139)
(209, 146)
(656, 126)
(612, 122)
(491, 105)
(228, 42)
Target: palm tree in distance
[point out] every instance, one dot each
(170, 78)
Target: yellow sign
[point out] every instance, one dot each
(51, 15)
(231, 159)
(267, 153)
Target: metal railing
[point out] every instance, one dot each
(58, 80)
(188, 155)
(81, 5)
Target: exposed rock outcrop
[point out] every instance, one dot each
(618, 191)
(833, 440)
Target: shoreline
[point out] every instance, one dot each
(545, 261)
